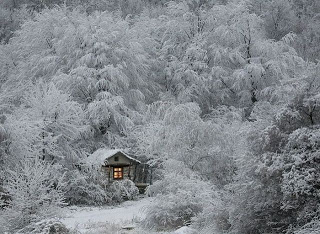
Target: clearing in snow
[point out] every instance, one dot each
(121, 219)
(87, 219)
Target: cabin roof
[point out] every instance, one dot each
(100, 156)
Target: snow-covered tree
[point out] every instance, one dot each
(44, 124)
(178, 198)
(246, 65)
(218, 96)
(178, 132)
(35, 191)
(277, 178)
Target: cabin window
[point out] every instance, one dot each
(117, 173)
(116, 158)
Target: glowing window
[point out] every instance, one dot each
(117, 173)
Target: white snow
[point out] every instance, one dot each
(184, 230)
(101, 155)
(121, 219)
(126, 214)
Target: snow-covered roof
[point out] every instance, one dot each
(103, 154)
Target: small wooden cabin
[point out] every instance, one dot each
(116, 164)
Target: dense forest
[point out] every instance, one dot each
(220, 97)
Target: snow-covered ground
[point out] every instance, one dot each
(125, 215)
(121, 219)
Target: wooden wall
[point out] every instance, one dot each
(108, 171)
(140, 173)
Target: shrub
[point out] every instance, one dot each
(85, 188)
(122, 190)
(172, 210)
(35, 193)
(313, 227)
(179, 199)
(46, 227)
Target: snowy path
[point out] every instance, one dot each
(84, 218)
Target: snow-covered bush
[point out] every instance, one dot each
(313, 227)
(46, 227)
(85, 187)
(35, 191)
(215, 216)
(277, 183)
(301, 174)
(173, 210)
(122, 190)
(90, 186)
(180, 196)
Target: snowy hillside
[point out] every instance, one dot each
(210, 108)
